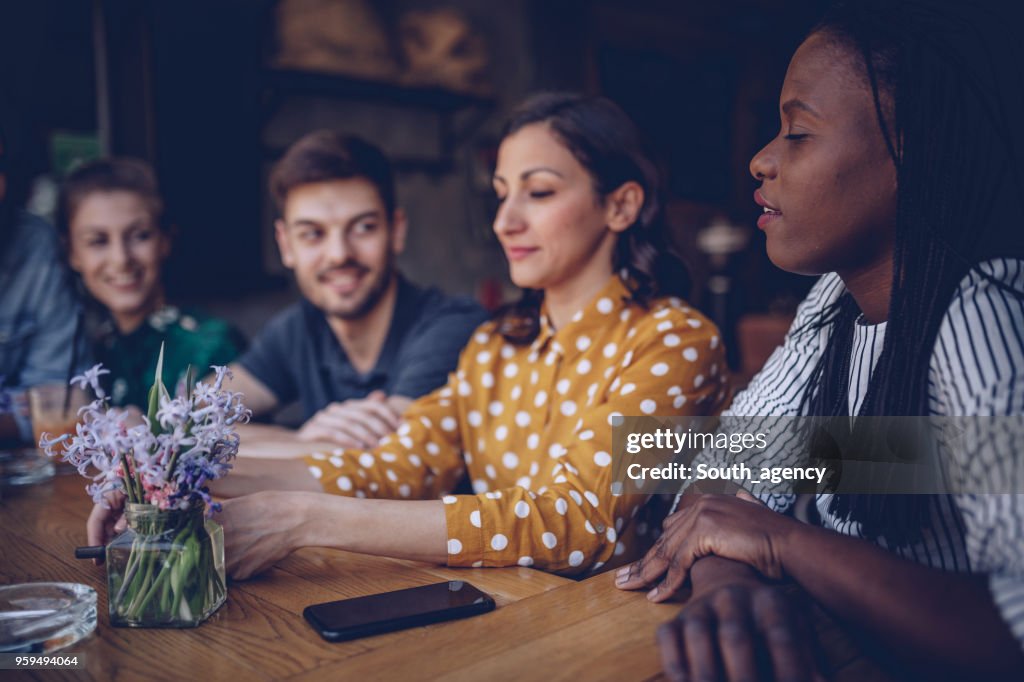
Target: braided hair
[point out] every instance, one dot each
(946, 126)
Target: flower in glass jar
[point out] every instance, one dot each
(167, 461)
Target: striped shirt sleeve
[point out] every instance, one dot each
(776, 390)
(974, 373)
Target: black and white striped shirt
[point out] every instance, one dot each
(978, 354)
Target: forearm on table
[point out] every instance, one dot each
(257, 396)
(923, 614)
(256, 475)
(275, 442)
(401, 529)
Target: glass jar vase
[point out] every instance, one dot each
(166, 569)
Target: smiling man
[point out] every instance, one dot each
(363, 341)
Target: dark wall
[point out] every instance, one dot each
(185, 95)
(701, 78)
(46, 73)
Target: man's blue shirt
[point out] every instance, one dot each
(298, 357)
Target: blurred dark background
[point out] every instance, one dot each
(212, 91)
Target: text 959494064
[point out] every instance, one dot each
(40, 661)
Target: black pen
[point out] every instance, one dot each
(91, 552)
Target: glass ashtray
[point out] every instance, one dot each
(24, 467)
(40, 618)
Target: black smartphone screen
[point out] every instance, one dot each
(377, 613)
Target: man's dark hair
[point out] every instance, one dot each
(326, 155)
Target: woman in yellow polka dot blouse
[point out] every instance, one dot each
(600, 331)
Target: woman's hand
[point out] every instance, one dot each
(260, 530)
(738, 528)
(743, 630)
(106, 521)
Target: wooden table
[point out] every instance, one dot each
(545, 627)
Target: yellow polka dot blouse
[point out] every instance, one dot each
(531, 425)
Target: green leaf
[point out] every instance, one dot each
(154, 405)
(188, 383)
(158, 378)
(156, 392)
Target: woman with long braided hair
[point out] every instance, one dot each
(893, 174)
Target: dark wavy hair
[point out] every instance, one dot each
(110, 175)
(603, 139)
(947, 128)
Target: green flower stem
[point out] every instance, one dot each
(160, 579)
(171, 578)
(169, 574)
(148, 559)
(132, 567)
(149, 588)
(172, 463)
(184, 567)
(150, 552)
(164, 600)
(128, 480)
(174, 458)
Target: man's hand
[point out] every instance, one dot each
(353, 423)
(260, 530)
(743, 629)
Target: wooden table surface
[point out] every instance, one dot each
(545, 627)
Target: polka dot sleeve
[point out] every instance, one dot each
(422, 459)
(563, 517)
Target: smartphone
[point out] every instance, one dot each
(338, 621)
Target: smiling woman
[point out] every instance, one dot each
(112, 220)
